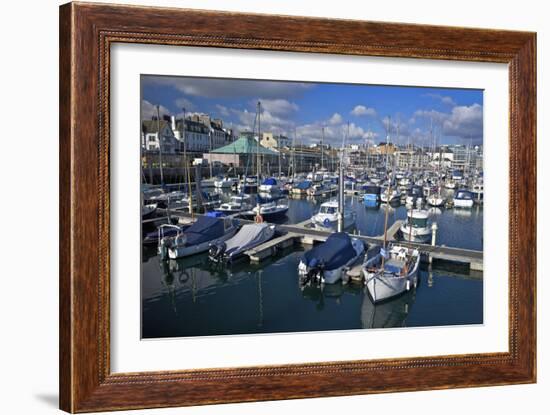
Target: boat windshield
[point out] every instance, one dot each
(328, 209)
(417, 222)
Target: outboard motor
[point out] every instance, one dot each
(314, 273)
(216, 251)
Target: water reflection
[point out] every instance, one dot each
(388, 314)
(193, 297)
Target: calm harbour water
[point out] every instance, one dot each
(191, 297)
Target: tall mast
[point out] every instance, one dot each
(388, 195)
(160, 146)
(258, 164)
(322, 139)
(279, 150)
(210, 135)
(187, 176)
(341, 187)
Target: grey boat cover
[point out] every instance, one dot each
(248, 237)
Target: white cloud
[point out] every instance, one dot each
(360, 110)
(443, 98)
(149, 110)
(184, 103)
(224, 111)
(465, 122)
(335, 119)
(278, 106)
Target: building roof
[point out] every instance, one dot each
(192, 126)
(151, 126)
(244, 145)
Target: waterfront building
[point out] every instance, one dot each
(412, 159)
(197, 136)
(242, 153)
(150, 136)
(274, 142)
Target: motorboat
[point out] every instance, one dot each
(315, 176)
(477, 192)
(450, 184)
(249, 184)
(148, 211)
(463, 199)
(236, 204)
(321, 189)
(435, 200)
(269, 185)
(226, 182)
(417, 227)
(390, 196)
(391, 272)
(301, 187)
(207, 183)
(152, 237)
(248, 237)
(326, 262)
(414, 196)
(268, 209)
(197, 238)
(371, 195)
(327, 217)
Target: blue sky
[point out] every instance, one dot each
(455, 115)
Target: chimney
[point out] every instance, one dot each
(173, 122)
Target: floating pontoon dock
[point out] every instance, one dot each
(302, 233)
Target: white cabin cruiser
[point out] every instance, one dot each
(236, 204)
(327, 217)
(463, 199)
(226, 182)
(268, 209)
(417, 227)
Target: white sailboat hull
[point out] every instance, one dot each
(383, 286)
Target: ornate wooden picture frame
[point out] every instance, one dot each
(87, 32)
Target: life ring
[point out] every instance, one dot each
(258, 219)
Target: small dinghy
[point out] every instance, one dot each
(248, 237)
(206, 231)
(326, 262)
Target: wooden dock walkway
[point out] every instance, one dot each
(304, 234)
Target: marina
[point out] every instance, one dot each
(254, 232)
(450, 279)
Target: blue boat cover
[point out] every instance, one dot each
(270, 181)
(215, 214)
(204, 229)
(335, 252)
(306, 184)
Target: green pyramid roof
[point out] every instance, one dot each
(244, 145)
